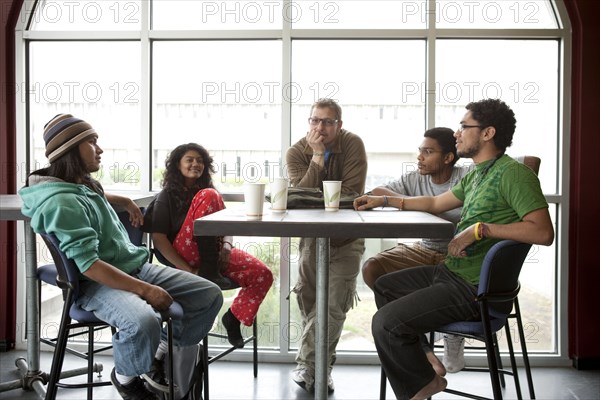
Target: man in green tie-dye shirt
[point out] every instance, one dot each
(501, 199)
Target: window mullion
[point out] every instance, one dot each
(286, 123)
(146, 97)
(430, 66)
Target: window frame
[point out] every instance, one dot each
(287, 35)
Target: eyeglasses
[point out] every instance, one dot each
(325, 121)
(462, 127)
(426, 151)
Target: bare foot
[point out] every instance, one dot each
(435, 362)
(435, 386)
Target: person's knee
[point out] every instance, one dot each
(371, 270)
(211, 196)
(342, 297)
(216, 295)
(211, 298)
(210, 193)
(377, 325)
(145, 325)
(267, 277)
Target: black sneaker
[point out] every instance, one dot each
(134, 390)
(156, 376)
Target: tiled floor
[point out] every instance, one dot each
(234, 380)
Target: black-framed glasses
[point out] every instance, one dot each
(462, 127)
(325, 121)
(427, 151)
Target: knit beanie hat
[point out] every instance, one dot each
(62, 133)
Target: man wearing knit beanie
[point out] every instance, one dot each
(117, 283)
(62, 133)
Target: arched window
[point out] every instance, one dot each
(239, 78)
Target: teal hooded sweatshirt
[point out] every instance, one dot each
(83, 221)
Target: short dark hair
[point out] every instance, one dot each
(445, 138)
(496, 113)
(172, 178)
(328, 103)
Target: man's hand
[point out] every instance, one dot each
(315, 141)
(367, 202)
(107, 274)
(135, 214)
(157, 297)
(459, 243)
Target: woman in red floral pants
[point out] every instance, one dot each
(188, 193)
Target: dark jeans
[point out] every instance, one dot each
(412, 302)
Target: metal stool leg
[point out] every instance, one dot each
(170, 347)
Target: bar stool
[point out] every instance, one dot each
(209, 360)
(497, 297)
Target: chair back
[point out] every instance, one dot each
(67, 273)
(499, 276)
(135, 233)
(532, 162)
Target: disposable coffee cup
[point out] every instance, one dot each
(279, 192)
(332, 191)
(254, 198)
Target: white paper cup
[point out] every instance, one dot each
(279, 191)
(332, 191)
(254, 198)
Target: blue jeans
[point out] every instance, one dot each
(139, 326)
(410, 303)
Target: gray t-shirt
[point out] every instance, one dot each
(415, 184)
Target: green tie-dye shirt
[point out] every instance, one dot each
(504, 194)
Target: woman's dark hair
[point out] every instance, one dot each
(445, 138)
(70, 168)
(496, 113)
(174, 181)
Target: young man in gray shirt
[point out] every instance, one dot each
(436, 173)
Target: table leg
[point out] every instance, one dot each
(32, 300)
(321, 334)
(37, 379)
(33, 378)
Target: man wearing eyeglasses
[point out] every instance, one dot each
(501, 199)
(327, 152)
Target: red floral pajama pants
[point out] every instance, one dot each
(251, 274)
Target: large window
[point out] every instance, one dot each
(523, 73)
(367, 77)
(73, 77)
(224, 95)
(239, 78)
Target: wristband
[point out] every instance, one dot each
(476, 232)
(319, 154)
(385, 201)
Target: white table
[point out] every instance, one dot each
(323, 225)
